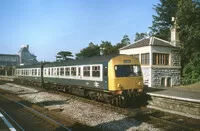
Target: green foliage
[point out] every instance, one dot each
(191, 70)
(91, 50)
(64, 55)
(107, 48)
(125, 41)
(188, 20)
(165, 10)
(139, 36)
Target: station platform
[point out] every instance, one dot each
(185, 94)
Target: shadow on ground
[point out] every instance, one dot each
(149, 89)
(120, 125)
(49, 103)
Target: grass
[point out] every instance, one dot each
(191, 87)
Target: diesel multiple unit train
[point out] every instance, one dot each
(116, 79)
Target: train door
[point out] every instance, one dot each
(79, 70)
(105, 76)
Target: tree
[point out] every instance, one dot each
(139, 36)
(64, 55)
(106, 48)
(188, 20)
(125, 41)
(91, 50)
(165, 10)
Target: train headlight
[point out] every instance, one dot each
(139, 83)
(140, 90)
(119, 86)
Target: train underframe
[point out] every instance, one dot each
(117, 98)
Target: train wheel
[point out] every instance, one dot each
(113, 102)
(121, 101)
(93, 96)
(64, 89)
(108, 100)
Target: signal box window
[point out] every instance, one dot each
(96, 71)
(145, 59)
(160, 59)
(86, 71)
(73, 71)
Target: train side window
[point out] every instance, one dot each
(96, 71)
(62, 71)
(36, 72)
(45, 71)
(33, 72)
(58, 70)
(86, 71)
(79, 71)
(26, 72)
(30, 72)
(51, 71)
(73, 71)
(67, 71)
(54, 72)
(39, 72)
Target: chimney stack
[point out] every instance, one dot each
(174, 35)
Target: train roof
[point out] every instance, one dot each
(89, 60)
(30, 66)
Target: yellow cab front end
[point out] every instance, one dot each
(125, 75)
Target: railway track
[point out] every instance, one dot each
(23, 117)
(157, 118)
(169, 121)
(164, 120)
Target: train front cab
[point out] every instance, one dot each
(125, 76)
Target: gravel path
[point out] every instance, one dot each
(84, 113)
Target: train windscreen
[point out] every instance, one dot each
(127, 70)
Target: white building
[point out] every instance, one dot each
(25, 57)
(160, 60)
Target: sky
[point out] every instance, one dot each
(50, 26)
